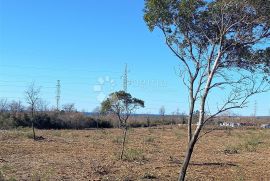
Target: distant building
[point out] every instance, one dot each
(248, 124)
(230, 124)
(265, 126)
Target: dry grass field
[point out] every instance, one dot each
(151, 154)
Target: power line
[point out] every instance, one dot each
(57, 69)
(58, 91)
(125, 79)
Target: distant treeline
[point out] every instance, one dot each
(52, 120)
(77, 120)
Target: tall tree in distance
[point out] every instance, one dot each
(123, 105)
(97, 112)
(222, 45)
(162, 114)
(32, 96)
(162, 111)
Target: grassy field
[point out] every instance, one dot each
(151, 154)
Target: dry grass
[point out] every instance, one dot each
(152, 154)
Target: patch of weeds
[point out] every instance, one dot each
(228, 131)
(2, 178)
(88, 136)
(179, 134)
(5, 168)
(128, 178)
(251, 144)
(104, 132)
(174, 160)
(28, 135)
(151, 130)
(134, 155)
(240, 174)
(37, 176)
(118, 140)
(231, 149)
(131, 130)
(11, 179)
(57, 133)
(102, 169)
(149, 139)
(23, 129)
(99, 137)
(149, 176)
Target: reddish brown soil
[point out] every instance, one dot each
(151, 154)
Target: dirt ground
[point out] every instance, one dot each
(151, 154)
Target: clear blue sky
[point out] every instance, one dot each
(81, 43)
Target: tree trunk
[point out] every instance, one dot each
(188, 155)
(195, 136)
(191, 112)
(33, 128)
(123, 143)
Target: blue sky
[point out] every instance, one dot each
(84, 44)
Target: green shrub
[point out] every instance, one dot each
(251, 144)
(134, 155)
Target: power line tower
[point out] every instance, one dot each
(125, 79)
(58, 92)
(255, 108)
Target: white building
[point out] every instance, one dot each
(230, 124)
(266, 126)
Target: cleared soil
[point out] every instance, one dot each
(151, 154)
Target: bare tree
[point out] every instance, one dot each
(32, 95)
(42, 105)
(162, 114)
(221, 45)
(16, 107)
(3, 105)
(97, 112)
(123, 105)
(70, 107)
(162, 111)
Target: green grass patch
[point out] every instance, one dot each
(134, 155)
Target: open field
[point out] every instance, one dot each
(152, 153)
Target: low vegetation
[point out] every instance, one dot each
(152, 153)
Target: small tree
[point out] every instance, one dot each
(69, 108)
(123, 105)
(15, 107)
(32, 98)
(162, 111)
(162, 114)
(220, 44)
(96, 111)
(3, 105)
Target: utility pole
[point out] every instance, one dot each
(58, 91)
(125, 79)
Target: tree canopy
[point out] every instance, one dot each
(237, 28)
(122, 104)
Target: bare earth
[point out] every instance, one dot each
(151, 154)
